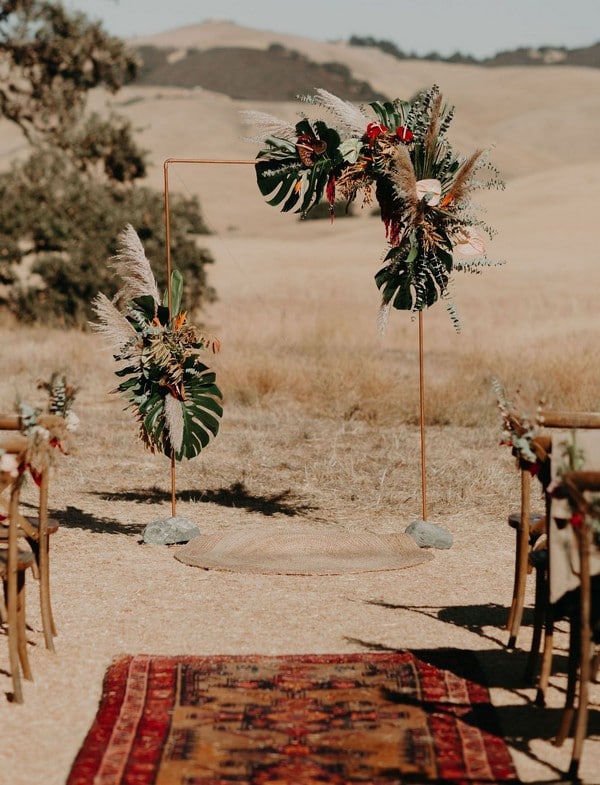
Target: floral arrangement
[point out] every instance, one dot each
(48, 431)
(573, 459)
(398, 154)
(520, 430)
(172, 392)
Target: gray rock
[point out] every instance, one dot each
(428, 535)
(169, 531)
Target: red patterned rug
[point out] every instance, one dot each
(405, 717)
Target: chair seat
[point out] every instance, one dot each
(34, 524)
(536, 524)
(33, 521)
(24, 560)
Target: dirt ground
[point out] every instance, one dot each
(113, 595)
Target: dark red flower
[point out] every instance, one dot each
(577, 520)
(330, 189)
(330, 194)
(404, 134)
(374, 130)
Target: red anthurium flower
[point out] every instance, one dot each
(404, 134)
(577, 520)
(330, 189)
(374, 130)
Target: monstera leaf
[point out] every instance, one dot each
(294, 177)
(200, 408)
(411, 280)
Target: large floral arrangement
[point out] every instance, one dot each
(171, 391)
(398, 154)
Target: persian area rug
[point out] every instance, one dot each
(352, 719)
(301, 551)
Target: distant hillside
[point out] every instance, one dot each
(545, 55)
(246, 65)
(273, 74)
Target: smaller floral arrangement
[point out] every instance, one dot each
(171, 391)
(48, 430)
(520, 431)
(573, 459)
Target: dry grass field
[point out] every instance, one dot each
(321, 424)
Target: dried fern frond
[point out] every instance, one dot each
(112, 325)
(383, 317)
(350, 117)
(132, 266)
(433, 129)
(268, 125)
(402, 175)
(462, 184)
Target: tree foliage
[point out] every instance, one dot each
(62, 209)
(49, 61)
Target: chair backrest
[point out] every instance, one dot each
(574, 483)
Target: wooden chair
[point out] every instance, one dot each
(37, 531)
(14, 562)
(583, 634)
(545, 614)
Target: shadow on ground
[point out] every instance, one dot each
(518, 723)
(74, 518)
(236, 496)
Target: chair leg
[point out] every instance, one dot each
(513, 604)
(22, 627)
(585, 646)
(521, 561)
(539, 616)
(546, 666)
(568, 713)
(516, 615)
(13, 644)
(41, 554)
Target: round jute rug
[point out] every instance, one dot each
(301, 551)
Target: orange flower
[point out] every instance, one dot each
(180, 320)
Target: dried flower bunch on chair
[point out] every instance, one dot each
(398, 153)
(172, 392)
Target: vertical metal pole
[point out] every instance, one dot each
(422, 418)
(168, 256)
(169, 306)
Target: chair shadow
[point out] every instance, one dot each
(74, 518)
(474, 618)
(503, 669)
(236, 495)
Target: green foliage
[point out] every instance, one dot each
(77, 190)
(171, 391)
(399, 153)
(65, 229)
(50, 60)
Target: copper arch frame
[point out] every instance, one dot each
(226, 161)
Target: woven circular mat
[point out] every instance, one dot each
(305, 551)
